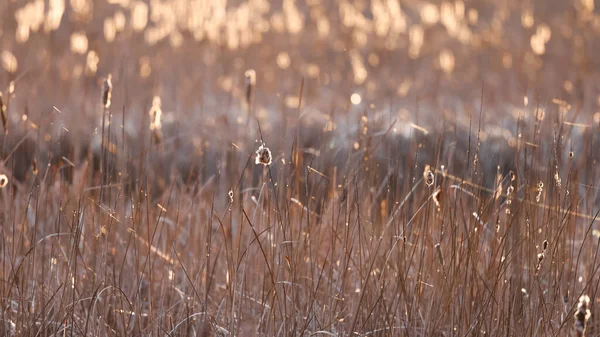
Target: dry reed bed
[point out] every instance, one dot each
(431, 234)
(141, 211)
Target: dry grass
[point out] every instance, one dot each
(289, 186)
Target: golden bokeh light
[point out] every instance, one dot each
(79, 43)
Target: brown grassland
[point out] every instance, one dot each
(299, 168)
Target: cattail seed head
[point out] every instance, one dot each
(263, 156)
(156, 113)
(541, 255)
(3, 180)
(498, 186)
(107, 91)
(436, 199)
(250, 76)
(582, 315)
(540, 190)
(3, 114)
(509, 191)
(156, 119)
(557, 179)
(428, 176)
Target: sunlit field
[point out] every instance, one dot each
(299, 168)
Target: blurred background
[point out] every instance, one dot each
(194, 53)
(218, 63)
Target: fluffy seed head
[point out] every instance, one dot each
(428, 176)
(107, 91)
(540, 257)
(509, 191)
(156, 113)
(557, 179)
(263, 156)
(498, 187)
(156, 119)
(582, 315)
(250, 76)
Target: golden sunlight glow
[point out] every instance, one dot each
(79, 43)
(9, 61)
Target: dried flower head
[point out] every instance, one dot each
(107, 91)
(156, 119)
(582, 315)
(540, 258)
(3, 180)
(509, 192)
(540, 190)
(557, 179)
(428, 176)
(263, 155)
(155, 113)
